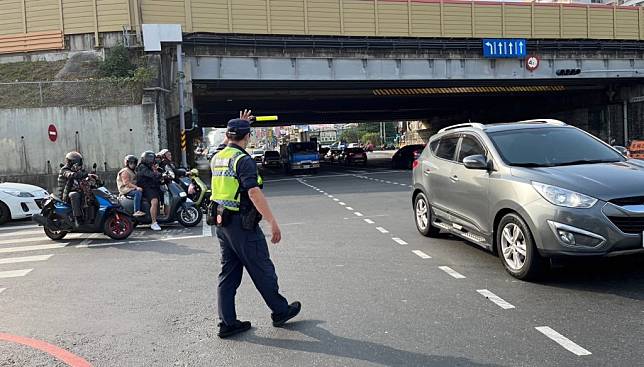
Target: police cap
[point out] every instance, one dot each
(238, 127)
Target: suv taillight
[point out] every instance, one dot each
(415, 164)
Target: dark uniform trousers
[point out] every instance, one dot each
(241, 249)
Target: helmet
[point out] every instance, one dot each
(130, 159)
(148, 157)
(162, 152)
(194, 172)
(73, 159)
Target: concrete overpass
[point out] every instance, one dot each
(306, 79)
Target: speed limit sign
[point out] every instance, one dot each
(532, 63)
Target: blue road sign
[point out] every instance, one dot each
(504, 48)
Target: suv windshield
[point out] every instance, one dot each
(551, 146)
(271, 154)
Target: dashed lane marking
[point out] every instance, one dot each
(349, 208)
(16, 260)
(32, 248)
(563, 341)
(452, 272)
(382, 230)
(369, 221)
(2, 289)
(399, 241)
(336, 199)
(358, 214)
(14, 273)
(421, 254)
(341, 203)
(496, 299)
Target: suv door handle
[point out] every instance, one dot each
(426, 171)
(454, 178)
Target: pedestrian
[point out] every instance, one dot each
(240, 206)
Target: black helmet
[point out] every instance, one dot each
(130, 159)
(73, 159)
(148, 157)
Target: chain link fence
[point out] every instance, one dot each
(83, 93)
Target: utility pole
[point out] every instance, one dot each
(182, 118)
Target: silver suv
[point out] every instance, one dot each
(528, 191)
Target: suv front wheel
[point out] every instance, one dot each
(517, 249)
(423, 216)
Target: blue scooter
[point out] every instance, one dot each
(102, 213)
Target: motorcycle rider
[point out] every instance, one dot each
(126, 183)
(165, 161)
(149, 178)
(69, 178)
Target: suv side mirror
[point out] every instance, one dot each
(622, 150)
(476, 162)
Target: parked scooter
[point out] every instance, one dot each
(102, 213)
(174, 205)
(198, 191)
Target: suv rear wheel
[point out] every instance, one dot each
(517, 249)
(423, 216)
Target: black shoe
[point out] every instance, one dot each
(293, 310)
(236, 328)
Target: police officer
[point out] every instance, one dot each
(240, 206)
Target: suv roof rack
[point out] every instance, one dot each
(475, 125)
(542, 121)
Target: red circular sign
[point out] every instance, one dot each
(532, 63)
(52, 132)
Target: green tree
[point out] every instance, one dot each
(372, 138)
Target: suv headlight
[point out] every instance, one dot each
(17, 193)
(563, 197)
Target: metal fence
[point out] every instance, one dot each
(83, 93)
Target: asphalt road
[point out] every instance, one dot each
(374, 293)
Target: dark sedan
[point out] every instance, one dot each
(405, 156)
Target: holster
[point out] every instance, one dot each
(250, 218)
(211, 213)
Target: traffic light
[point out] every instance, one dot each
(566, 72)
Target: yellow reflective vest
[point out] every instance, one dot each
(225, 183)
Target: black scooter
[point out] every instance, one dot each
(180, 209)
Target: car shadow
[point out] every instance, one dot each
(621, 276)
(337, 346)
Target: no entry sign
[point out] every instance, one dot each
(52, 132)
